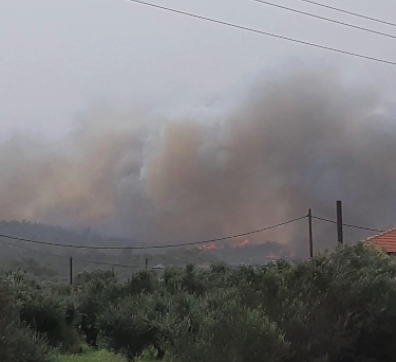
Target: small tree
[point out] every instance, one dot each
(17, 342)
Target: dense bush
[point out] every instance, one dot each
(337, 307)
(46, 308)
(18, 343)
(142, 282)
(229, 333)
(94, 292)
(131, 326)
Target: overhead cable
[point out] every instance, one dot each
(349, 225)
(325, 19)
(74, 258)
(273, 35)
(148, 247)
(349, 12)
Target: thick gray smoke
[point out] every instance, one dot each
(301, 141)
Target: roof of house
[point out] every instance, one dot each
(385, 240)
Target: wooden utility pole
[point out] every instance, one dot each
(310, 233)
(339, 223)
(71, 271)
(146, 263)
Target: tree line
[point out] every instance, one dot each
(336, 307)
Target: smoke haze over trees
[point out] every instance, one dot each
(292, 142)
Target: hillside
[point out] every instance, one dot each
(48, 260)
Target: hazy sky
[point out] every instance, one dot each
(58, 58)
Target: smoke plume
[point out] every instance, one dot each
(291, 143)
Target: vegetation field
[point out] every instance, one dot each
(92, 356)
(337, 307)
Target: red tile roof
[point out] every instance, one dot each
(385, 240)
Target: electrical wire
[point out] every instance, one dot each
(164, 246)
(325, 19)
(273, 35)
(349, 225)
(348, 12)
(67, 257)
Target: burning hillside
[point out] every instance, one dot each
(213, 246)
(295, 142)
(247, 252)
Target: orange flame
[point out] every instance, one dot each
(243, 243)
(210, 246)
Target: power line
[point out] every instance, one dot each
(33, 250)
(108, 263)
(349, 225)
(348, 12)
(67, 257)
(345, 52)
(165, 246)
(326, 19)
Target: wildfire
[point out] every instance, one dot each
(210, 246)
(273, 255)
(243, 243)
(213, 246)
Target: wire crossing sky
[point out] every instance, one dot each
(149, 247)
(349, 12)
(325, 19)
(265, 33)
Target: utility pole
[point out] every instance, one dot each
(71, 270)
(311, 253)
(146, 263)
(339, 223)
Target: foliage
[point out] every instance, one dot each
(337, 307)
(227, 332)
(326, 309)
(91, 356)
(93, 292)
(49, 310)
(129, 327)
(17, 342)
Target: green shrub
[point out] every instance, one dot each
(17, 342)
(131, 326)
(337, 307)
(142, 282)
(94, 292)
(48, 311)
(227, 332)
